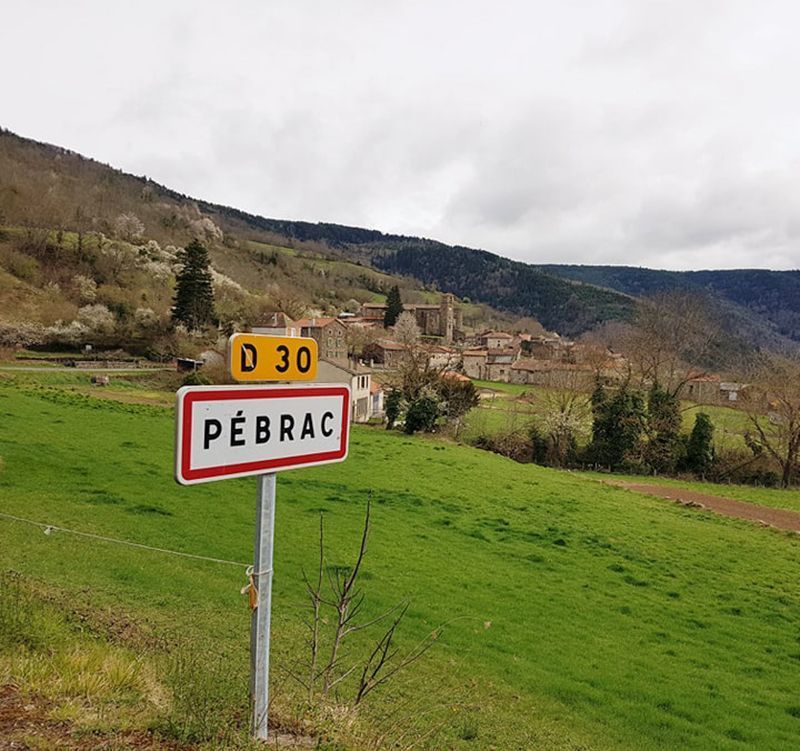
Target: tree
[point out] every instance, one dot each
(700, 448)
(617, 427)
(194, 292)
(672, 331)
(406, 331)
(776, 391)
(564, 417)
(394, 307)
(359, 338)
(129, 227)
(393, 407)
(663, 425)
(458, 397)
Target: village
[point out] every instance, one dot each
(357, 349)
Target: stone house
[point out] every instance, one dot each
(385, 353)
(475, 363)
(441, 358)
(358, 377)
(489, 364)
(443, 319)
(330, 334)
(499, 362)
(495, 340)
(730, 392)
(703, 389)
(546, 348)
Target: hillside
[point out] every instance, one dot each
(324, 266)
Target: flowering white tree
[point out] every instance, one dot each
(20, 333)
(129, 227)
(86, 287)
(71, 333)
(98, 319)
(406, 331)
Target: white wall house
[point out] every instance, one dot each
(358, 377)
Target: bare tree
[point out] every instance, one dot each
(671, 333)
(359, 337)
(773, 408)
(346, 599)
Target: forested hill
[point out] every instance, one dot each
(773, 296)
(569, 307)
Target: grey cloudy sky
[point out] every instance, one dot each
(663, 134)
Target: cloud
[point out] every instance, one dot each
(660, 133)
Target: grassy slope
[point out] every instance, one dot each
(616, 621)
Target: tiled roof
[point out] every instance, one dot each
(349, 367)
(275, 320)
(391, 345)
(454, 376)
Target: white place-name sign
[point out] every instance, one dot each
(235, 431)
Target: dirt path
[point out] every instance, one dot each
(772, 517)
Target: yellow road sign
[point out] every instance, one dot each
(258, 357)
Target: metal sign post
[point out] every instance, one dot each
(262, 578)
(239, 431)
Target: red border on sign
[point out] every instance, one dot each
(187, 401)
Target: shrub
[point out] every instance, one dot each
(515, 444)
(196, 379)
(98, 319)
(422, 414)
(743, 467)
(22, 266)
(394, 407)
(617, 428)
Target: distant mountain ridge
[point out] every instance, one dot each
(773, 296)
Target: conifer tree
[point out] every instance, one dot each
(194, 293)
(700, 448)
(394, 307)
(663, 424)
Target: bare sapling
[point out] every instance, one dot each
(344, 598)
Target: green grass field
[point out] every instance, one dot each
(579, 616)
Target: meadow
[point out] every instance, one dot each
(573, 615)
(514, 407)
